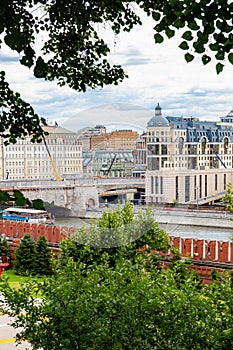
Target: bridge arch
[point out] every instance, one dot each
(91, 203)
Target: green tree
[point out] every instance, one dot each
(117, 235)
(74, 52)
(4, 248)
(43, 258)
(19, 199)
(25, 256)
(38, 204)
(127, 307)
(228, 197)
(4, 197)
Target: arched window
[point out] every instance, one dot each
(225, 142)
(203, 145)
(181, 145)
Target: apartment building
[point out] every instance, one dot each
(188, 160)
(110, 154)
(86, 134)
(108, 162)
(27, 160)
(140, 156)
(122, 139)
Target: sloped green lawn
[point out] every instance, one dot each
(15, 280)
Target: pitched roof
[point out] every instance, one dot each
(57, 130)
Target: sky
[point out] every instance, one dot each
(158, 73)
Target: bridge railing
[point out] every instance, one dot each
(72, 181)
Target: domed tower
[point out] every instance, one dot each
(158, 120)
(158, 110)
(158, 158)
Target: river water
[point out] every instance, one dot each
(176, 230)
(198, 232)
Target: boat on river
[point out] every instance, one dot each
(32, 216)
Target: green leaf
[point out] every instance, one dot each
(230, 58)
(213, 47)
(199, 48)
(184, 45)
(188, 57)
(158, 38)
(28, 59)
(156, 16)
(219, 67)
(40, 69)
(219, 24)
(187, 35)
(169, 32)
(193, 25)
(220, 55)
(179, 24)
(206, 59)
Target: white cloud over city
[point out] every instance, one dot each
(157, 73)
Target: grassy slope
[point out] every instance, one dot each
(15, 280)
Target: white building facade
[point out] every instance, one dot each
(27, 160)
(188, 161)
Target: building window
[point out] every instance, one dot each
(206, 186)
(161, 185)
(200, 189)
(153, 163)
(177, 188)
(152, 184)
(203, 145)
(153, 149)
(216, 182)
(156, 185)
(181, 145)
(225, 145)
(195, 187)
(187, 187)
(224, 181)
(164, 149)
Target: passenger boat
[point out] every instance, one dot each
(33, 216)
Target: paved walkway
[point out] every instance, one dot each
(7, 335)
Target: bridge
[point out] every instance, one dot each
(207, 200)
(73, 197)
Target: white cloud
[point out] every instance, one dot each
(157, 73)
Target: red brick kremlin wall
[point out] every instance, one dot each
(202, 252)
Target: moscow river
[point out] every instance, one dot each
(198, 232)
(176, 230)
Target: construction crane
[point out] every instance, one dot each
(106, 172)
(217, 155)
(57, 176)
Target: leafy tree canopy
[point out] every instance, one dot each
(4, 247)
(118, 235)
(228, 197)
(73, 53)
(207, 26)
(25, 256)
(33, 258)
(18, 198)
(128, 307)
